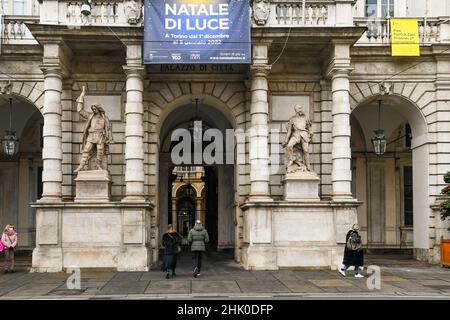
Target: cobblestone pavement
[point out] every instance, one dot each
(222, 278)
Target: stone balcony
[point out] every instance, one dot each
(433, 30)
(304, 13)
(106, 12)
(14, 30)
(282, 15)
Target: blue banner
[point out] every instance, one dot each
(197, 31)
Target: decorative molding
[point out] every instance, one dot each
(261, 11)
(5, 87)
(133, 10)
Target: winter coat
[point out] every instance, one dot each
(352, 257)
(198, 236)
(170, 241)
(9, 239)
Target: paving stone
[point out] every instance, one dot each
(313, 274)
(129, 287)
(169, 286)
(331, 283)
(215, 287)
(301, 286)
(434, 282)
(259, 286)
(32, 290)
(127, 276)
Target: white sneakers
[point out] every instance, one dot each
(359, 275)
(341, 271)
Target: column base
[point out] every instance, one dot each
(257, 198)
(343, 198)
(133, 199)
(46, 199)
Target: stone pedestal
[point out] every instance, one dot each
(111, 235)
(93, 186)
(301, 186)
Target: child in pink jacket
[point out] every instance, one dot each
(9, 239)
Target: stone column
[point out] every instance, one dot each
(198, 209)
(259, 110)
(174, 214)
(341, 174)
(52, 134)
(134, 129)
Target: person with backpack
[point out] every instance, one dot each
(9, 240)
(171, 241)
(353, 252)
(198, 237)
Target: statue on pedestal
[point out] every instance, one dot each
(299, 134)
(97, 134)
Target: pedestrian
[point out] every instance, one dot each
(198, 237)
(353, 252)
(171, 241)
(9, 240)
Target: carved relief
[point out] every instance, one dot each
(133, 10)
(261, 10)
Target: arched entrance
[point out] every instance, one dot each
(393, 186)
(190, 190)
(21, 175)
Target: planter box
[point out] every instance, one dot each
(445, 252)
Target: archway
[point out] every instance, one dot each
(21, 175)
(214, 183)
(394, 186)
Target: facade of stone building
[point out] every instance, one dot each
(331, 56)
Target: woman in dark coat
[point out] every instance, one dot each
(171, 241)
(353, 257)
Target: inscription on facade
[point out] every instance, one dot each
(165, 68)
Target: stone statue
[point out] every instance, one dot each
(97, 134)
(133, 9)
(299, 134)
(261, 10)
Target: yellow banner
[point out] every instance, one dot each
(405, 38)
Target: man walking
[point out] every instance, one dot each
(198, 237)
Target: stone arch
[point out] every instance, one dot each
(164, 97)
(183, 185)
(420, 95)
(31, 92)
(408, 107)
(161, 99)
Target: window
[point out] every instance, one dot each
(408, 195)
(21, 7)
(371, 8)
(4, 7)
(17, 7)
(387, 6)
(379, 8)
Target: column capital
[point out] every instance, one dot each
(338, 71)
(55, 70)
(134, 70)
(260, 70)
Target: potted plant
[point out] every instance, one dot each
(445, 214)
